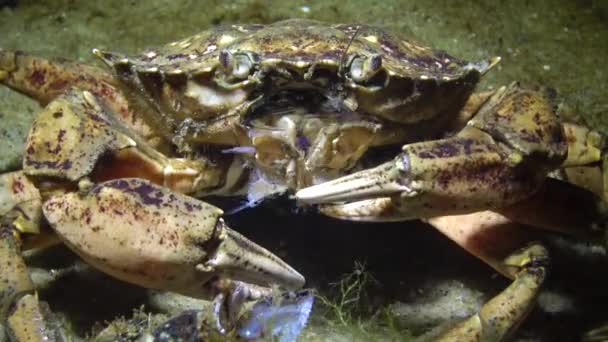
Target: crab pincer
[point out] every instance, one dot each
(147, 235)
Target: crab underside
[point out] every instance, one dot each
(115, 161)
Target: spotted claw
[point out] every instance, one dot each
(147, 235)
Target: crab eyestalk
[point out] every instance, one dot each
(237, 65)
(362, 69)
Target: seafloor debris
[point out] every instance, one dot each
(282, 318)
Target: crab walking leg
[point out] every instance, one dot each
(585, 146)
(500, 158)
(15, 189)
(14, 276)
(71, 135)
(19, 213)
(31, 320)
(84, 101)
(499, 317)
(492, 237)
(44, 80)
(587, 162)
(488, 235)
(562, 207)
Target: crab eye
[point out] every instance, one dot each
(236, 65)
(121, 64)
(362, 69)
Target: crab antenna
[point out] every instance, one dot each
(350, 42)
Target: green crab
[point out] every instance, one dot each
(114, 162)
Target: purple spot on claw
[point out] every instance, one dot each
(148, 194)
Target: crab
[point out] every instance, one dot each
(116, 161)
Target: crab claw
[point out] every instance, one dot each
(238, 258)
(501, 157)
(369, 193)
(382, 181)
(457, 175)
(147, 235)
